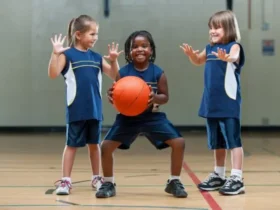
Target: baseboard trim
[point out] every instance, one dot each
(60, 129)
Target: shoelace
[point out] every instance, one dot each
(231, 180)
(96, 179)
(63, 183)
(105, 185)
(210, 177)
(179, 184)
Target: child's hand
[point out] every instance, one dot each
(110, 94)
(152, 94)
(188, 50)
(57, 43)
(113, 53)
(222, 54)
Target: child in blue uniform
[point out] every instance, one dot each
(221, 100)
(140, 53)
(82, 70)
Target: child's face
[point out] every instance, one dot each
(216, 34)
(89, 38)
(140, 50)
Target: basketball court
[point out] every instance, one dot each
(31, 163)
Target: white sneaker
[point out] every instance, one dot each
(63, 188)
(97, 182)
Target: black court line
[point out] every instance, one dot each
(67, 202)
(49, 191)
(270, 152)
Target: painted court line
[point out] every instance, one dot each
(206, 195)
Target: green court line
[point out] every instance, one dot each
(102, 206)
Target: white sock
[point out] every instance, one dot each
(221, 171)
(236, 172)
(174, 177)
(94, 176)
(67, 179)
(109, 179)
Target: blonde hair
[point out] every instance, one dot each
(81, 24)
(227, 20)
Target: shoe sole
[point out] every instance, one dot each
(209, 189)
(182, 196)
(240, 191)
(105, 196)
(62, 193)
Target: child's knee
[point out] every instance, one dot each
(178, 143)
(109, 147)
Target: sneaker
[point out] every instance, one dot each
(233, 186)
(106, 190)
(176, 188)
(63, 188)
(97, 182)
(212, 182)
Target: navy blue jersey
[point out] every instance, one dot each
(151, 76)
(222, 92)
(83, 78)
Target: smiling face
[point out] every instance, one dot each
(141, 50)
(223, 28)
(216, 34)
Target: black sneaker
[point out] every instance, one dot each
(106, 190)
(233, 186)
(212, 182)
(176, 188)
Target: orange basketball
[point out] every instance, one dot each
(131, 95)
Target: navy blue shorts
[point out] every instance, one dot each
(80, 133)
(156, 132)
(223, 133)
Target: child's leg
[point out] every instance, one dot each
(162, 136)
(232, 133)
(177, 156)
(124, 137)
(93, 140)
(108, 148)
(68, 161)
(75, 137)
(94, 156)
(216, 142)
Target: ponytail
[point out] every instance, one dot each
(70, 33)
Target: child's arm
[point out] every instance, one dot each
(56, 65)
(233, 55)
(195, 57)
(112, 69)
(162, 95)
(57, 60)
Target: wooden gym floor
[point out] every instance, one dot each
(31, 163)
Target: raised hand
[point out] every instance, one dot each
(188, 50)
(113, 53)
(57, 43)
(221, 54)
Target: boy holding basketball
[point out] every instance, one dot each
(140, 54)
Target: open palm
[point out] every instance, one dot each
(57, 42)
(221, 54)
(113, 53)
(189, 51)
